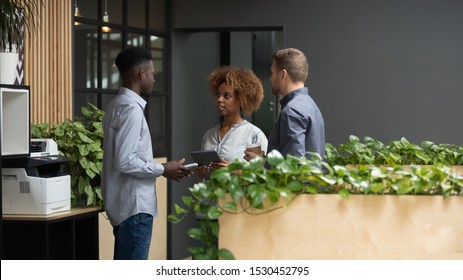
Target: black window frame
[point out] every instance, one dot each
(161, 138)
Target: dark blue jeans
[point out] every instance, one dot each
(133, 237)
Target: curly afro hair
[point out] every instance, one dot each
(246, 85)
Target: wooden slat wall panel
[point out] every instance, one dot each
(48, 63)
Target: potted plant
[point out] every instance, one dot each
(251, 191)
(16, 18)
(81, 141)
(399, 152)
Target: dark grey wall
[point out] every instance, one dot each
(384, 69)
(195, 55)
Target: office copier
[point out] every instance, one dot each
(36, 185)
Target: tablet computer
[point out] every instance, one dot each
(205, 157)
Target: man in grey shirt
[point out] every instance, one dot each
(300, 127)
(129, 172)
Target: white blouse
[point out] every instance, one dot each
(234, 142)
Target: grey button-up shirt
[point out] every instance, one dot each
(300, 127)
(129, 173)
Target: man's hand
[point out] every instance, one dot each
(175, 170)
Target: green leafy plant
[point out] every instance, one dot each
(267, 184)
(400, 152)
(448, 154)
(81, 142)
(17, 16)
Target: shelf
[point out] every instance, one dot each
(69, 235)
(14, 121)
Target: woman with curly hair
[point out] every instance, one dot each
(237, 91)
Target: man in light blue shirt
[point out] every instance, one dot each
(129, 172)
(300, 127)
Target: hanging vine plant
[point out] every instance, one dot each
(267, 184)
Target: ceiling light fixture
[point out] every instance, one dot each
(105, 28)
(76, 13)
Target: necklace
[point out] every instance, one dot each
(233, 124)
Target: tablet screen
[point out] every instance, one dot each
(205, 157)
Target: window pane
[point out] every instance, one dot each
(157, 51)
(135, 40)
(87, 8)
(96, 77)
(86, 56)
(82, 99)
(111, 46)
(105, 99)
(114, 10)
(157, 121)
(136, 13)
(157, 15)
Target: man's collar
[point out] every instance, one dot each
(285, 100)
(130, 93)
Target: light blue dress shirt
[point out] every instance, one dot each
(300, 127)
(128, 180)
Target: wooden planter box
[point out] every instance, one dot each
(361, 227)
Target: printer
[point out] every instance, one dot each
(36, 185)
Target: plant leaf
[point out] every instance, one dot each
(225, 254)
(213, 213)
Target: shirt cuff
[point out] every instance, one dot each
(158, 169)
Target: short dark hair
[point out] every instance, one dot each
(294, 62)
(130, 58)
